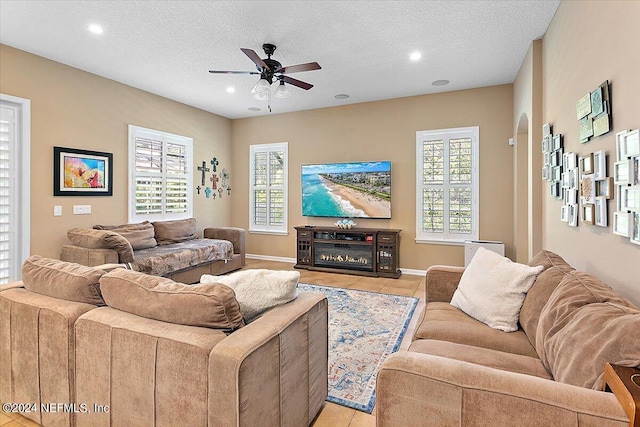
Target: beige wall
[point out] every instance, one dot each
(73, 108)
(386, 130)
(587, 43)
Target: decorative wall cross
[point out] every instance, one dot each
(220, 192)
(198, 188)
(214, 181)
(207, 192)
(204, 170)
(229, 191)
(214, 164)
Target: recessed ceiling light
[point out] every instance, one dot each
(440, 82)
(95, 29)
(415, 56)
(341, 96)
(231, 89)
(253, 109)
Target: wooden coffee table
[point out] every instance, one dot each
(624, 382)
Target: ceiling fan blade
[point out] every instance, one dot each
(295, 82)
(232, 72)
(310, 66)
(255, 58)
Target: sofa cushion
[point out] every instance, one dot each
(483, 356)
(258, 290)
(584, 325)
(102, 239)
(64, 280)
(168, 232)
(538, 296)
(140, 236)
(548, 259)
(492, 289)
(441, 321)
(212, 306)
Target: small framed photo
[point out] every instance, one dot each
(564, 213)
(635, 229)
(571, 196)
(555, 189)
(566, 179)
(572, 218)
(573, 178)
(600, 209)
(586, 164)
(622, 223)
(554, 158)
(588, 214)
(621, 172)
(557, 142)
(630, 199)
(547, 158)
(627, 144)
(546, 130)
(604, 188)
(546, 144)
(557, 173)
(600, 164)
(588, 189)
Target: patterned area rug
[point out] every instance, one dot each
(364, 328)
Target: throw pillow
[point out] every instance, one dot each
(63, 280)
(102, 239)
(140, 236)
(258, 290)
(180, 230)
(210, 306)
(492, 289)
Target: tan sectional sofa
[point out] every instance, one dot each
(191, 361)
(163, 248)
(460, 372)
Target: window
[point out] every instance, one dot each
(447, 185)
(161, 175)
(15, 142)
(268, 188)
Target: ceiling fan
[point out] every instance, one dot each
(271, 70)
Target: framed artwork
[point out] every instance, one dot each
(82, 172)
(600, 164)
(627, 144)
(588, 214)
(604, 188)
(600, 211)
(564, 213)
(586, 164)
(572, 218)
(588, 189)
(557, 142)
(621, 171)
(630, 199)
(622, 222)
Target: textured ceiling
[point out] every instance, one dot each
(167, 47)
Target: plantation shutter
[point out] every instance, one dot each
(268, 198)
(447, 183)
(8, 200)
(161, 175)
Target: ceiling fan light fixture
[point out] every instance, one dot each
(263, 86)
(260, 96)
(282, 91)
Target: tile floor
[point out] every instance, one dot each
(332, 415)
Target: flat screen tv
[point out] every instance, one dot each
(347, 190)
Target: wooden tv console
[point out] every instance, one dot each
(362, 251)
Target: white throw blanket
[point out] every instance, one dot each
(258, 290)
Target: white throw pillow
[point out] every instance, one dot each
(492, 289)
(257, 290)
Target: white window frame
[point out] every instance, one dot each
(164, 137)
(447, 237)
(19, 199)
(267, 148)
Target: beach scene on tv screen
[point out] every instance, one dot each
(352, 190)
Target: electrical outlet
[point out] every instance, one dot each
(81, 209)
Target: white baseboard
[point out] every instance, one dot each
(409, 271)
(271, 258)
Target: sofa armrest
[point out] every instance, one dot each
(421, 389)
(11, 285)
(441, 282)
(233, 234)
(274, 370)
(89, 257)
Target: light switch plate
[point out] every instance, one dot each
(57, 210)
(81, 209)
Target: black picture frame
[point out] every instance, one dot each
(79, 172)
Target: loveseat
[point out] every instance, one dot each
(83, 347)
(458, 371)
(162, 248)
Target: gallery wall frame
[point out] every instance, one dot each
(79, 172)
